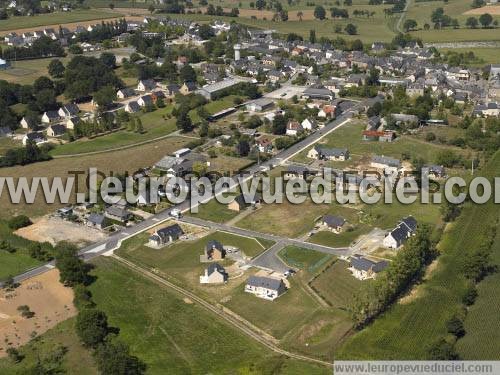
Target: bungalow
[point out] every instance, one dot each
(309, 124)
(293, 128)
(398, 236)
(363, 268)
(125, 93)
(384, 162)
(146, 85)
(214, 274)
(297, 171)
(265, 287)
(132, 107)
(117, 213)
(381, 136)
(96, 221)
(50, 116)
(68, 110)
(36, 137)
(165, 235)
(323, 153)
(56, 130)
(187, 88)
(214, 251)
(334, 223)
(259, 105)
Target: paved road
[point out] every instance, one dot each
(269, 259)
(114, 241)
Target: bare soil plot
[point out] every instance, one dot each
(494, 10)
(53, 229)
(51, 302)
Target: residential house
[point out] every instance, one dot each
(293, 128)
(264, 144)
(333, 223)
(125, 93)
(187, 88)
(214, 251)
(309, 124)
(381, 136)
(318, 92)
(297, 171)
(28, 123)
(72, 122)
(165, 235)
(399, 235)
(146, 85)
(436, 171)
(171, 89)
(327, 111)
(68, 110)
(363, 268)
(384, 162)
(265, 287)
(50, 116)
(36, 137)
(239, 202)
(323, 153)
(117, 213)
(214, 274)
(145, 100)
(56, 130)
(132, 107)
(97, 221)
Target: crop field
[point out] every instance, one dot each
(407, 329)
(337, 285)
(155, 125)
(105, 162)
(22, 22)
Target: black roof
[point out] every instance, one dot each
(333, 221)
(364, 264)
(214, 244)
(215, 267)
(265, 282)
(172, 230)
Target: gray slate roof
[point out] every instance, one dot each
(264, 282)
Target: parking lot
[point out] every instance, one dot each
(286, 92)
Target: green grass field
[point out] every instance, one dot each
(14, 23)
(345, 238)
(155, 125)
(482, 325)
(304, 259)
(12, 264)
(337, 285)
(408, 328)
(488, 55)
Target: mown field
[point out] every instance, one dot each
(118, 161)
(25, 72)
(407, 329)
(487, 55)
(14, 23)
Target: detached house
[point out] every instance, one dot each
(145, 100)
(214, 274)
(132, 107)
(293, 128)
(68, 110)
(146, 85)
(50, 116)
(187, 88)
(265, 287)
(214, 251)
(165, 235)
(398, 236)
(323, 153)
(36, 137)
(117, 213)
(125, 93)
(334, 223)
(28, 123)
(56, 130)
(309, 124)
(363, 268)
(386, 163)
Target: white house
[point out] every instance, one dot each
(50, 116)
(265, 287)
(399, 235)
(146, 85)
(36, 137)
(293, 128)
(309, 124)
(165, 235)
